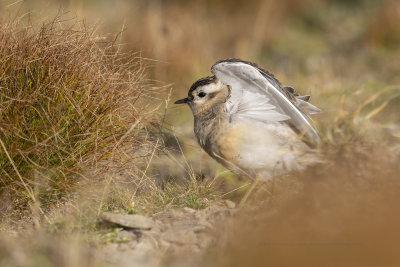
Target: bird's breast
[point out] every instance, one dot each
(250, 147)
(223, 142)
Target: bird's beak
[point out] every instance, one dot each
(182, 101)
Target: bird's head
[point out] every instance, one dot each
(205, 93)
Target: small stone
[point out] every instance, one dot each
(205, 240)
(152, 235)
(180, 236)
(126, 234)
(205, 224)
(163, 245)
(146, 245)
(133, 221)
(112, 246)
(230, 204)
(170, 216)
(220, 214)
(204, 201)
(199, 228)
(159, 226)
(189, 210)
(195, 226)
(132, 244)
(124, 247)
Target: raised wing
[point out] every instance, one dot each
(300, 101)
(256, 94)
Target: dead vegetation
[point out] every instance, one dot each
(67, 99)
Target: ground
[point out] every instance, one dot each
(178, 236)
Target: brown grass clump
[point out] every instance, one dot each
(65, 100)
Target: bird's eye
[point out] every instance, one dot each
(201, 94)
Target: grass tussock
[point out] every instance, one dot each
(66, 99)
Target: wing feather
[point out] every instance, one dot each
(256, 94)
(255, 106)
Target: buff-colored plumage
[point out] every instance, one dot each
(249, 123)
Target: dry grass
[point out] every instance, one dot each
(67, 99)
(164, 180)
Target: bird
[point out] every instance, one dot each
(250, 123)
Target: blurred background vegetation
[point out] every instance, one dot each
(323, 41)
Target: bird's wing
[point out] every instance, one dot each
(256, 94)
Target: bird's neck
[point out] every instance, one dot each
(205, 121)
